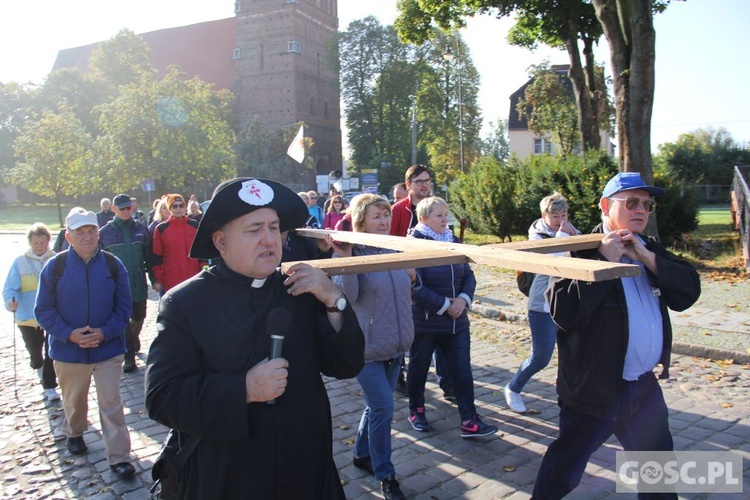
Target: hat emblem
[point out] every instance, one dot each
(256, 193)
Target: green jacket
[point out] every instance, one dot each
(130, 242)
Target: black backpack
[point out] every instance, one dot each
(62, 257)
(524, 279)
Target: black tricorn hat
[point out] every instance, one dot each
(237, 197)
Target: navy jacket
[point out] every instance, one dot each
(434, 285)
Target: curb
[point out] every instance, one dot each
(702, 351)
(684, 348)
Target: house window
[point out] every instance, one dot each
(237, 7)
(236, 54)
(542, 145)
(292, 46)
(292, 1)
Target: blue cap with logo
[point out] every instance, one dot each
(628, 181)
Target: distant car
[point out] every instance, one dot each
(351, 194)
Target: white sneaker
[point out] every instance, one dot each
(514, 400)
(51, 394)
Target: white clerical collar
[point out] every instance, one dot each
(258, 283)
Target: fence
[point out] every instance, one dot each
(741, 209)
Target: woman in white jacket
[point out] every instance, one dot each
(554, 223)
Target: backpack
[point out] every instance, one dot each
(62, 257)
(524, 279)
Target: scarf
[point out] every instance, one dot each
(446, 237)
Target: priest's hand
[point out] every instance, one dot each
(304, 278)
(266, 380)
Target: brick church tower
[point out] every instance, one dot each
(283, 73)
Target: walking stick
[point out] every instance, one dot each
(15, 369)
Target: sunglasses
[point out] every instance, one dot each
(125, 208)
(176, 205)
(633, 203)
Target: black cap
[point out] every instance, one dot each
(122, 201)
(237, 197)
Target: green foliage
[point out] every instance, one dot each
(261, 152)
(580, 179)
(496, 143)
(53, 152)
(380, 74)
(549, 107)
(487, 196)
(704, 156)
(676, 211)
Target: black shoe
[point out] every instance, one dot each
(123, 469)
(391, 490)
(129, 365)
(448, 394)
(401, 386)
(76, 445)
(364, 463)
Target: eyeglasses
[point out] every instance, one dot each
(176, 205)
(422, 182)
(633, 203)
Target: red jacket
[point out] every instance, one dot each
(401, 217)
(171, 247)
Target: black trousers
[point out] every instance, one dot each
(133, 330)
(639, 421)
(35, 340)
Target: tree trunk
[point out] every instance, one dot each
(588, 115)
(629, 28)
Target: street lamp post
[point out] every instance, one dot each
(413, 129)
(449, 56)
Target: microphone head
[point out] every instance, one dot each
(279, 322)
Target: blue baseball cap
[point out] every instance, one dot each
(628, 181)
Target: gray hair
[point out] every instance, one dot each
(38, 229)
(358, 208)
(429, 204)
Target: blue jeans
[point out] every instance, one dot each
(639, 420)
(543, 337)
(377, 379)
(457, 350)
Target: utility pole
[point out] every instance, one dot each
(413, 129)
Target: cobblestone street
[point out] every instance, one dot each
(709, 404)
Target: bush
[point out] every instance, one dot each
(487, 196)
(677, 210)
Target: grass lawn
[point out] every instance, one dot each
(19, 217)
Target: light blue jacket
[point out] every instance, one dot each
(21, 284)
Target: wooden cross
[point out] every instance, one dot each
(522, 256)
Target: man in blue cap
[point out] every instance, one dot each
(610, 337)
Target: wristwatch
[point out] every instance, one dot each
(338, 306)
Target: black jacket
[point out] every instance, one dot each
(211, 330)
(592, 336)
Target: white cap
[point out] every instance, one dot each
(78, 219)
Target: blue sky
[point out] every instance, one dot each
(702, 69)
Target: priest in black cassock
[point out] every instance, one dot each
(208, 374)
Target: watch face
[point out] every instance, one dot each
(341, 304)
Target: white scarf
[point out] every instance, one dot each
(446, 237)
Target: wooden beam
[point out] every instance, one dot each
(552, 245)
(521, 259)
(384, 262)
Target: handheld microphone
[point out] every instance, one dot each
(279, 321)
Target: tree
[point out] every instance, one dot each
(175, 131)
(704, 156)
(496, 142)
(15, 110)
(53, 152)
(379, 76)
(627, 26)
(261, 152)
(549, 108)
